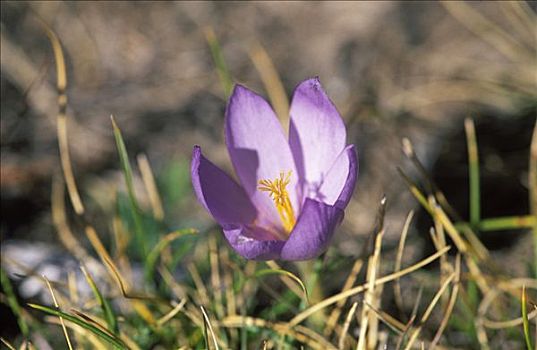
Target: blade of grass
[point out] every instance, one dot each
(356, 290)
(272, 82)
(153, 256)
(150, 186)
(13, 303)
(219, 61)
(430, 186)
(473, 173)
(63, 143)
(486, 29)
(390, 321)
(161, 321)
(414, 189)
(209, 327)
(127, 172)
(286, 280)
(451, 303)
(428, 311)
(107, 310)
(507, 223)
(349, 282)
(59, 218)
(302, 334)
(372, 270)
(7, 344)
(67, 339)
(346, 325)
(526, 323)
(286, 273)
(114, 341)
(398, 297)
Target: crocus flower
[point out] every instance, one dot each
(292, 192)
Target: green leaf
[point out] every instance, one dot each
(127, 172)
(473, 173)
(108, 312)
(153, 256)
(525, 320)
(13, 303)
(108, 337)
(266, 272)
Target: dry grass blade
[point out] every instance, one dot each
(508, 323)
(113, 270)
(208, 326)
(486, 30)
(428, 311)
(370, 296)
(346, 325)
(150, 186)
(201, 291)
(90, 338)
(394, 324)
(62, 120)
(408, 325)
(356, 290)
(432, 188)
(55, 301)
(60, 222)
(302, 334)
(451, 303)
(336, 312)
(161, 321)
(7, 344)
(272, 82)
(398, 260)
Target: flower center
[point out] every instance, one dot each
(278, 192)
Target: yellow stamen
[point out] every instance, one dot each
(278, 192)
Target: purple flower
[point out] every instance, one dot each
(292, 193)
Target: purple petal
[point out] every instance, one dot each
(223, 198)
(258, 150)
(313, 231)
(338, 186)
(316, 132)
(240, 239)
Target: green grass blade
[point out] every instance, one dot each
(108, 312)
(473, 173)
(266, 272)
(525, 320)
(153, 256)
(13, 303)
(507, 223)
(220, 63)
(108, 337)
(127, 171)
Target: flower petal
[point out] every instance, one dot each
(338, 186)
(316, 133)
(313, 231)
(258, 149)
(240, 239)
(223, 198)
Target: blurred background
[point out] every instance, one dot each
(393, 69)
